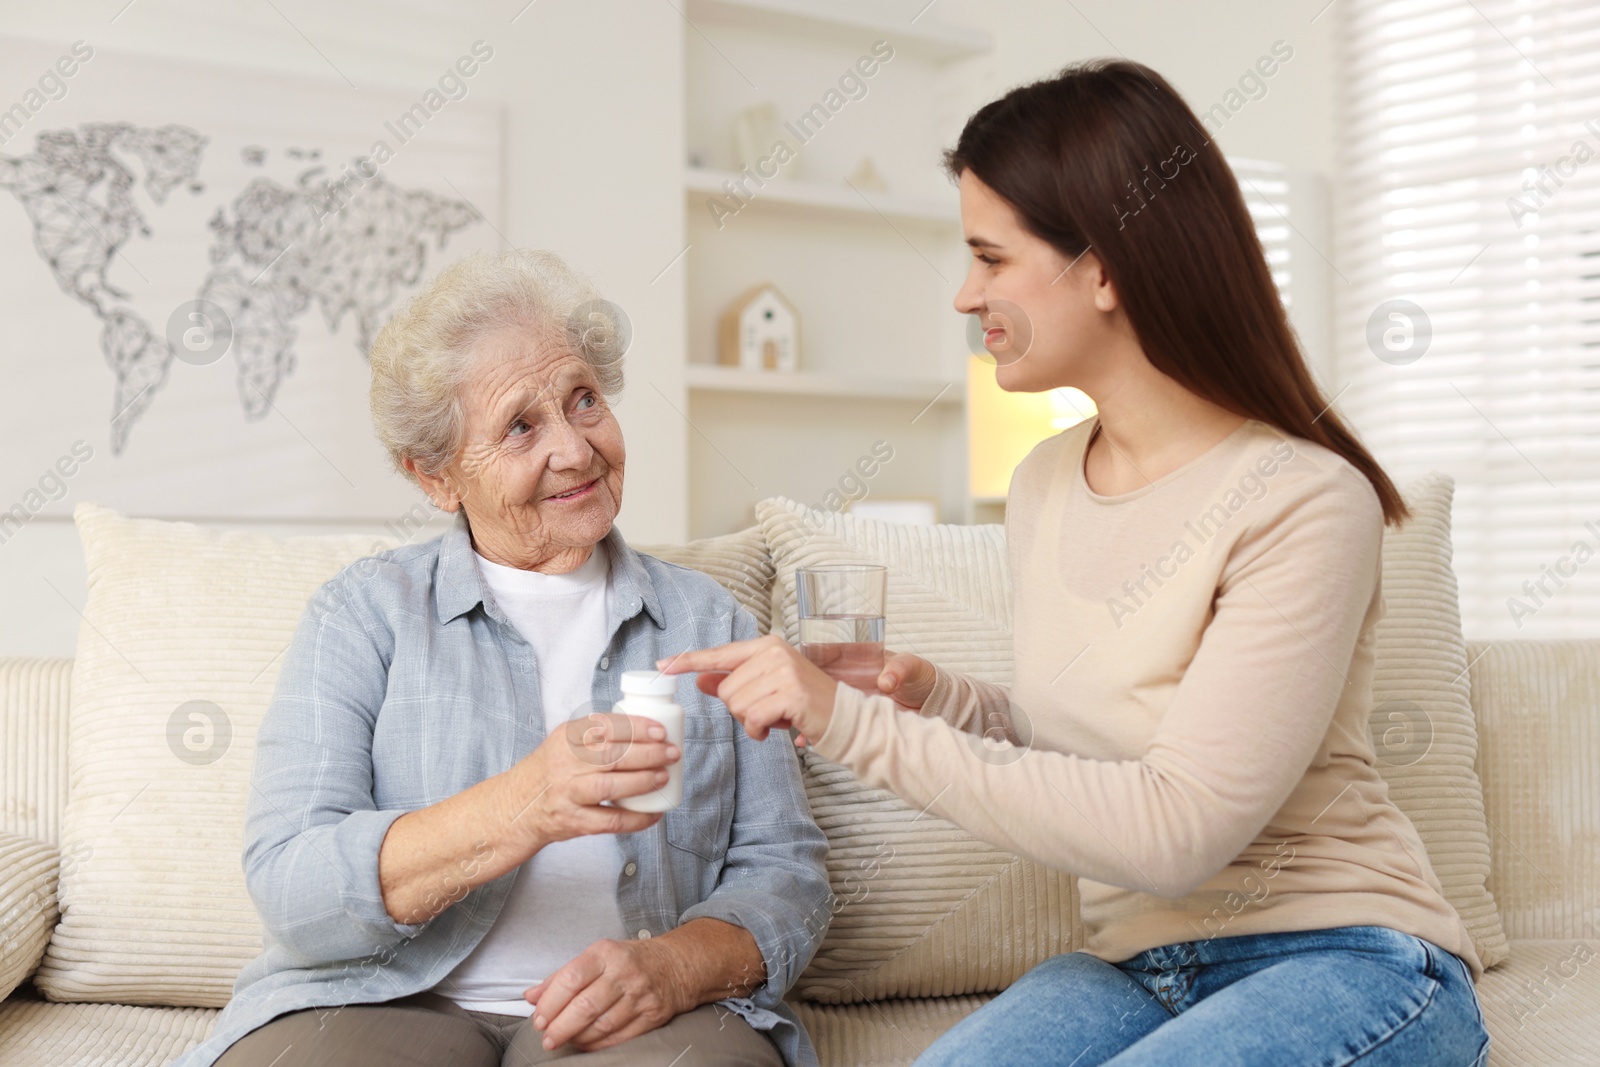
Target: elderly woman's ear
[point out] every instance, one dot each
(445, 495)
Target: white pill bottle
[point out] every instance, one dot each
(651, 695)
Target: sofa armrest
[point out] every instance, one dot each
(28, 872)
(35, 696)
(1537, 705)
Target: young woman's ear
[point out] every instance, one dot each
(1105, 292)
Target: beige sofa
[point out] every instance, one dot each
(123, 774)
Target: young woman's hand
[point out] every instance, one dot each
(906, 677)
(766, 683)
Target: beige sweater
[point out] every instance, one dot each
(1187, 720)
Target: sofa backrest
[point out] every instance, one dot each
(1537, 705)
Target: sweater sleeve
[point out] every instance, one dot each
(312, 830)
(969, 705)
(1239, 732)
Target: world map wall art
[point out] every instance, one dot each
(195, 261)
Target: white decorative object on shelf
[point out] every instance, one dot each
(756, 138)
(761, 331)
(866, 178)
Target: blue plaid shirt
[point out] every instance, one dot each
(406, 684)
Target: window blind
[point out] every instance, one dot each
(1266, 193)
(1467, 300)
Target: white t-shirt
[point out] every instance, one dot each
(565, 897)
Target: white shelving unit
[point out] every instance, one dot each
(802, 383)
(872, 272)
(800, 195)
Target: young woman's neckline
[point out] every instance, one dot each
(1149, 487)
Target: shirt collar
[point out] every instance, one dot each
(459, 585)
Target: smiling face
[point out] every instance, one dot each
(539, 472)
(1049, 321)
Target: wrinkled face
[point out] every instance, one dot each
(540, 469)
(1047, 318)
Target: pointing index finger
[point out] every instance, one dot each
(722, 658)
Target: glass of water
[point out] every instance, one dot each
(841, 620)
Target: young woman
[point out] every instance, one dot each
(1196, 573)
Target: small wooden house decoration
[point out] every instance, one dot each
(760, 331)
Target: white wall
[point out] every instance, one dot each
(594, 115)
(1202, 49)
(594, 92)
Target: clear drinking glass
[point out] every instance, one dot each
(841, 620)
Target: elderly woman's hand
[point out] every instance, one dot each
(616, 990)
(433, 856)
(613, 991)
(770, 685)
(601, 757)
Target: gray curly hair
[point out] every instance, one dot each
(424, 353)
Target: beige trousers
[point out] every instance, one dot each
(430, 1030)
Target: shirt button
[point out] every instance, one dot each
(644, 935)
(605, 662)
(631, 869)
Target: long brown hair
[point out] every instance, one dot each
(1106, 155)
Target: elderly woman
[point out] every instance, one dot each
(430, 840)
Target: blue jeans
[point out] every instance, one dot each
(1363, 995)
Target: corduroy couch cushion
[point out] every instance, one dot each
(28, 870)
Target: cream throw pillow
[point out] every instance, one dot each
(1423, 726)
(177, 656)
(927, 910)
(738, 561)
(177, 659)
(923, 909)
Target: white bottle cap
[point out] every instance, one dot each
(649, 684)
